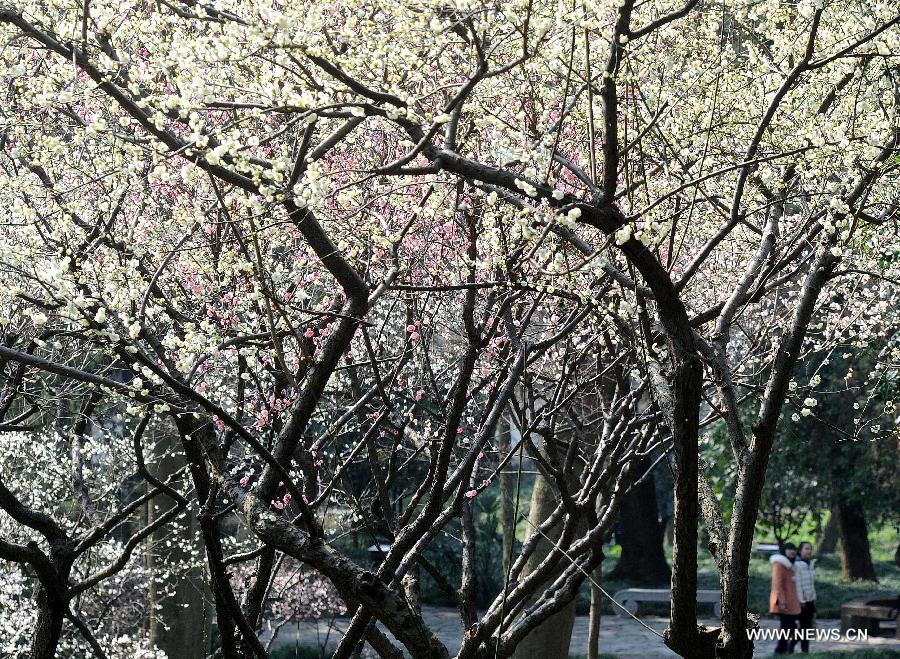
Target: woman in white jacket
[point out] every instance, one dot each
(805, 580)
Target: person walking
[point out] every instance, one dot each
(805, 581)
(783, 600)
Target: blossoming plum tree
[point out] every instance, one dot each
(330, 245)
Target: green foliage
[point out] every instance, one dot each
(715, 450)
(445, 552)
(792, 494)
(488, 534)
(845, 448)
(841, 446)
(831, 590)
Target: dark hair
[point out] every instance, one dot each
(800, 546)
(789, 545)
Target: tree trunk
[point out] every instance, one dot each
(682, 634)
(856, 555)
(549, 640)
(735, 577)
(48, 628)
(594, 620)
(643, 558)
(827, 544)
(753, 461)
(507, 494)
(181, 618)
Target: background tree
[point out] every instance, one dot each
(641, 531)
(849, 467)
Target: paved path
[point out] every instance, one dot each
(623, 638)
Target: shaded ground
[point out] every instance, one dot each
(619, 637)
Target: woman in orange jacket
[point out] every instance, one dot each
(783, 600)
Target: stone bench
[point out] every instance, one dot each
(765, 549)
(630, 599)
(867, 614)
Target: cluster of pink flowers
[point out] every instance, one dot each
(280, 404)
(192, 281)
(413, 330)
(263, 419)
(282, 503)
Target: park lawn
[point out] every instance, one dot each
(831, 590)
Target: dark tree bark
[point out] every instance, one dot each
(856, 555)
(683, 635)
(827, 543)
(643, 558)
(507, 494)
(595, 615)
(48, 629)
